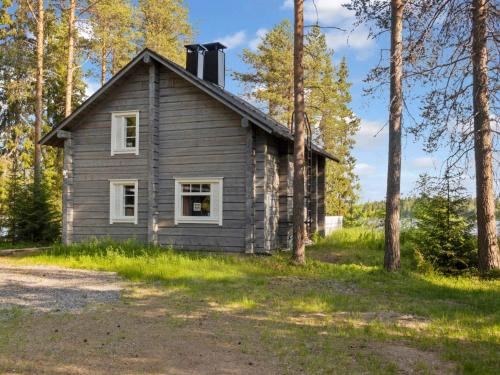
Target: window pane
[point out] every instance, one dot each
(130, 142)
(195, 188)
(129, 211)
(129, 200)
(196, 205)
(130, 122)
(131, 132)
(186, 188)
(129, 190)
(205, 188)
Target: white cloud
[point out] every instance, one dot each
(371, 135)
(259, 35)
(328, 11)
(424, 162)
(364, 169)
(358, 39)
(233, 40)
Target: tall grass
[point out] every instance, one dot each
(354, 238)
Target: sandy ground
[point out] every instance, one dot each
(81, 325)
(48, 288)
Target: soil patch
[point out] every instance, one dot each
(412, 361)
(48, 288)
(143, 332)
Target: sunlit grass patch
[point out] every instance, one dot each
(326, 314)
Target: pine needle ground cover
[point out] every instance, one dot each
(339, 314)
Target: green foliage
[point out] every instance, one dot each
(164, 27)
(114, 35)
(443, 235)
(28, 214)
(354, 238)
(271, 80)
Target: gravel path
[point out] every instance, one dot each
(48, 288)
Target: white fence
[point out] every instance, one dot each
(333, 223)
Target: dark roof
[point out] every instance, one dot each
(242, 107)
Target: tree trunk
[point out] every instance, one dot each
(392, 246)
(299, 255)
(103, 65)
(489, 258)
(39, 91)
(71, 46)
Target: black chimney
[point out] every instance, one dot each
(194, 59)
(210, 58)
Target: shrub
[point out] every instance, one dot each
(443, 235)
(29, 215)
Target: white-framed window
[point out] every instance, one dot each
(125, 133)
(123, 201)
(198, 200)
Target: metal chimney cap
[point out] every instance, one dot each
(195, 47)
(214, 46)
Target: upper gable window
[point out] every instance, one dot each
(125, 133)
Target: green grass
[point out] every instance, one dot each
(323, 318)
(18, 245)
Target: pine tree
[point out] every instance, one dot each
(393, 205)
(299, 251)
(164, 27)
(327, 102)
(114, 35)
(334, 123)
(14, 202)
(270, 80)
(443, 234)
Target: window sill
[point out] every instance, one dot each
(197, 220)
(123, 221)
(127, 151)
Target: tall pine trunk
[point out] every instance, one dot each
(392, 227)
(299, 255)
(70, 64)
(486, 225)
(103, 65)
(39, 91)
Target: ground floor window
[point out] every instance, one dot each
(123, 201)
(198, 200)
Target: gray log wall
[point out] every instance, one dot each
(200, 137)
(94, 166)
(182, 133)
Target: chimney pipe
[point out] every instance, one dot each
(207, 61)
(194, 59)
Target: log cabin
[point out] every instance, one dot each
(165, 155)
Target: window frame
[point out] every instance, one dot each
(123, 149)
(113, 217)
(215, 215)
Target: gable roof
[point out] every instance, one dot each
(237, 104)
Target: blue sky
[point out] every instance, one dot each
(240, 23)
